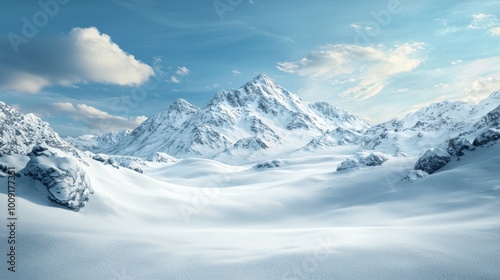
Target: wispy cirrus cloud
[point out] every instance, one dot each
(484, 21)
(182, 71)
(83, 55)
(365, 70)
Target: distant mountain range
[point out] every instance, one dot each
(261, 115)
(260, 118)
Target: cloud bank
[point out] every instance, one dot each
(96, 119)
(366, 70)
(83, 55)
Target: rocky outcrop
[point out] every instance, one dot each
(433, 160)
(62, 175)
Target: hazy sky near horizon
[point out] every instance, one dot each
(78, 64)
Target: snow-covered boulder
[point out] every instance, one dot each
(373, 159)
(106, 160)
(269, 164)
(347, 164)
(415, 175)
(66, 181)
(490, 135)
(363, 159)
(433, 160)
(162, 158)
(458, 145)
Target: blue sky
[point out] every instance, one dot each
(95, 66)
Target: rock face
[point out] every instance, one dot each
(66, 182)
(487, 136)
(363, 159)
(433, 160)
(457, 146)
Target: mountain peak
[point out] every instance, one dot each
(263, 79)
(181, 105)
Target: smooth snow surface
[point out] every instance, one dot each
(201, 219)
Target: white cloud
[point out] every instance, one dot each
(483, 21)
(446, 28)
(174, 80)
(481, 88)
(456, 62)
(95, 119)
(236, 72)
(83, 55)
(213, 86)
(182, 71)
(356, 26)
(367, 70)
(495, 31)
(402, 90)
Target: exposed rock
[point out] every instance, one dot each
(347, 164)
(433, 160)
(457, 146)
(415, 175)
(363, 159)
(270, 164)
(490, 135)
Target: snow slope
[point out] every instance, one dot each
(201, 219)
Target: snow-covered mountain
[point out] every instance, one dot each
(432, 126)
(95, 143)
(19, 133)
(258, 116)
